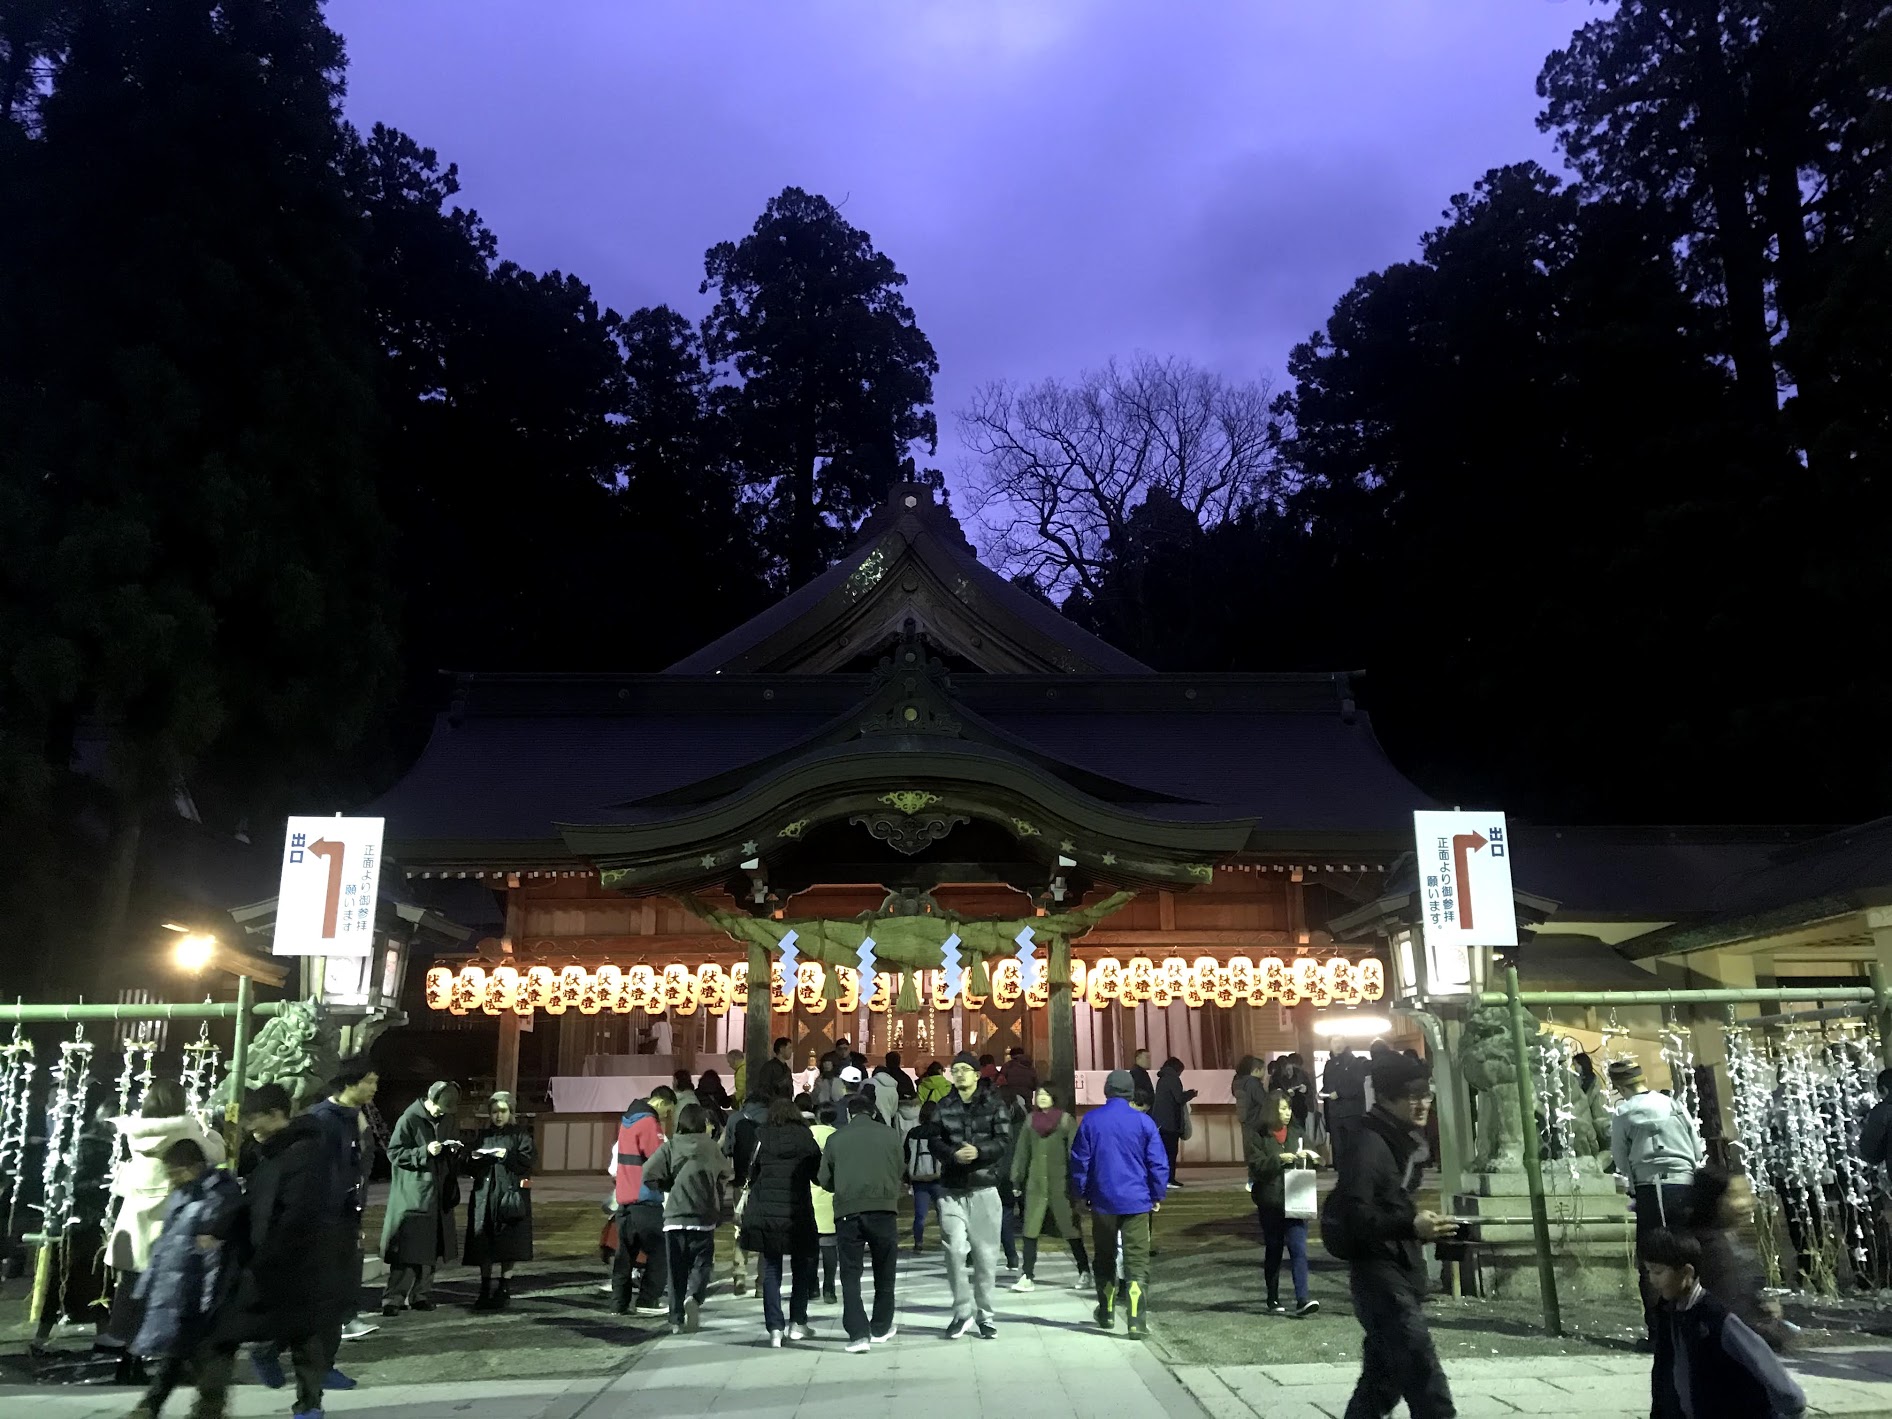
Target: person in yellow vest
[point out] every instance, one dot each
(739, 1078)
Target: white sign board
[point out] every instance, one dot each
(1464, 886)
(331, 876)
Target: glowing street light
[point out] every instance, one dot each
(195, 952)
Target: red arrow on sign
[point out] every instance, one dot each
(331, 904)
(1463, 846)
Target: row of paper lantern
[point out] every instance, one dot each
(680, 990)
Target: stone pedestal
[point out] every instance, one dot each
(1591, 1232)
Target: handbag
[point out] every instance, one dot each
(1298, 1198)
(1188, 1123)
(748, 1180)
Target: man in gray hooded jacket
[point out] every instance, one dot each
(1655, 1149)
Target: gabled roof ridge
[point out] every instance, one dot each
(1025, 627)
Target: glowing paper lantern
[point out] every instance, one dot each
(1008, 983)
(679, 993)
(1305, 973)
(712, 989)
(1339, 981)
(808, 985)
(1173, 982)
(678, 989)
(1139, 979)
(848, 981)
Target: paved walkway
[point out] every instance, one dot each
(1848, 1382)
(1048, 1360)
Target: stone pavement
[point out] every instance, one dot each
(1848, 1382)
(1048, 1359)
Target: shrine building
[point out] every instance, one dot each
(977, 825)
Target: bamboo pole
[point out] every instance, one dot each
(239, 1068)
(1679, 997)
(43, 1014)
(1882, 1013)
(1533, 1165)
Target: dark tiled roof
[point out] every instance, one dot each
(932, 533)
(1850, 862)
(507, 777)
(1636, 873)
(511, 777)
(1288, 772)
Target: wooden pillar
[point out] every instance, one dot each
(506, 1067)
(756, 1019)
(1062, 1021)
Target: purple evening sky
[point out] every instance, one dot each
(1060, 181)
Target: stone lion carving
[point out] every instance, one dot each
(1490, 1065)
(298, 1049)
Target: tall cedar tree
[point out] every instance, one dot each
(834, 378)
(195, 553)
(1755, 133)
(551, 469)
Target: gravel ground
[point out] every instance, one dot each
(1209, 1294)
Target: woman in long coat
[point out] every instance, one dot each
(499, 1216)
(1041, 1176)
(780, 1218)
(418, 1234)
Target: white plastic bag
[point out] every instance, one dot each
(1297, 1193)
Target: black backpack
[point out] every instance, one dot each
(1336, 1232)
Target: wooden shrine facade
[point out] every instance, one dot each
(906, 752)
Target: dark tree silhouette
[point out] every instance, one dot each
(833, 378)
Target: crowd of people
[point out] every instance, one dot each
(817, 1164)
(811, 1168)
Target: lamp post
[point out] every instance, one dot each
(198, 952)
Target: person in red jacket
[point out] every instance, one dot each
(640, 1206)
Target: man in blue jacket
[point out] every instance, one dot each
(1119, 1167)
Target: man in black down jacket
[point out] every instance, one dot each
(1372, 1217)
(972, 1139)
(291, 1285)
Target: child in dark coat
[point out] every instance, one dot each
(689, 1169)
(1708, 1364)
(187, 1278)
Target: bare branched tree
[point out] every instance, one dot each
(1058, 469)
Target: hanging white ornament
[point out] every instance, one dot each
(72, 1076)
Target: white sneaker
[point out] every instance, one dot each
(1024, 1283)
(358, 1329)
(797, 1330)
(859, 1347)
(892, 1331)
(775, 1339)
(1084, 1282)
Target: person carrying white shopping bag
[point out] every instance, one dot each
(1281, 1178)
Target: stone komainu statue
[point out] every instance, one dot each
(1489, 1061)
(298, 1049)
